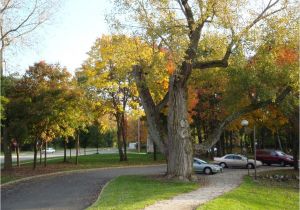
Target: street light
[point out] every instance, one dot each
(254, 142)
(245, 123)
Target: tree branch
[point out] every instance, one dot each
(188, 14)
(22, 23)
(163, 102)
(215, 136)
(236, 39)
(156, 129)
(5, 7)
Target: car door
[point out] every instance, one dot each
(239, 161)
(228, 159)
(197, 166)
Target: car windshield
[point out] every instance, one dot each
(280, 153)
(200, 161)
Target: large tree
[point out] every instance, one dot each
(180, 26)
(107, 76)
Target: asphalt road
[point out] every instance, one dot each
(65, 191)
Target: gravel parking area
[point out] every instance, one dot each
(212, 186)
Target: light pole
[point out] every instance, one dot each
(245, 123)
(254, 141)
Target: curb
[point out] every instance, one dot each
(73, 171)
(99, 197)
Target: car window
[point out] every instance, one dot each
(229, 157)
(280, 153)
(236, 157)
(198, 162)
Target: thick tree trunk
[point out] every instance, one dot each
(157, 130)
(7, 150)
(179, 140)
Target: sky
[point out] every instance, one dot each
(69, 36)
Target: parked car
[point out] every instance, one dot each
(49, 150)
(201, 166)
(236, 161)
(271, 156)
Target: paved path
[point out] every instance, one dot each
(212, 187)
(66, 191)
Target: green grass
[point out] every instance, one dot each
(85, 162)
(108, 160)
(256, 196)
(137, 192)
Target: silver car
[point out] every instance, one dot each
(236, 161)
(200, 166)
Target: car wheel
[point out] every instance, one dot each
(207, 171)
(250, 165)
(282, 163)
(268, 164)
(223, 165)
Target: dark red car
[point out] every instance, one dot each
(270, 156)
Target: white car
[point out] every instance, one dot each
(200, 166)
(236, 161)
(49, 150)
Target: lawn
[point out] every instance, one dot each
(264, 194)
(85, 162)
(137, 192)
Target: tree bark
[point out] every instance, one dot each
(124, 135)
(77, 148)
(18, 154)
(179, 138)
(230, 141)
(40, 150)
(278, 139)
(119, 136)
(198, 128)
(7, 150)
(65, 151)
(157, 131)
(35, 149)
(45, 154)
